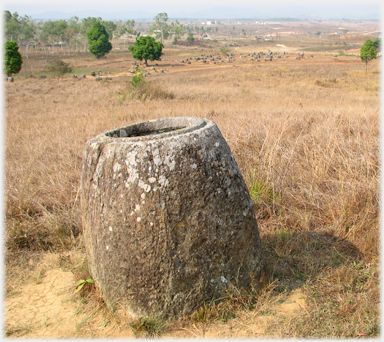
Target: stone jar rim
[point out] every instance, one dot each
(155, 129)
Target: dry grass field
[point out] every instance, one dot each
(305, 134)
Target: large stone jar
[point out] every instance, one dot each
(168, 221)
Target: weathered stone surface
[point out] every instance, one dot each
(168, 220)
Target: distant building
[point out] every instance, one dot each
(209, 22)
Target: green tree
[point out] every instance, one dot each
(98, 40)
(110, 27)
(86, 24)
(7, 16)
(73, 30)
(368, 52)
(60, 30)
(146, 48)
(130, 24)
(22, 28)
(12, 26)
(377, 44)
(48, 33)
(12, 58)
(54, 32)
(28, 28)
(123, 28)
(59, 68)
(160, 26)
(190, 38)
(176, 29)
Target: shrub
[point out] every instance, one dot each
(190, 38)
(224, 50)
(138, 79)
(59, 68)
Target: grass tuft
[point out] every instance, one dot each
(235, 301)
(18, 330)
(148, 326)
(142, 91)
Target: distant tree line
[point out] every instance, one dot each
(92, 34)
(69, 34)
(164, 30)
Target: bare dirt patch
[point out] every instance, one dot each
(45, 309)
(48, 309)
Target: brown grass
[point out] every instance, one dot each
(305, 136)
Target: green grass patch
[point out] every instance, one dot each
(262, 191)
(148, 326)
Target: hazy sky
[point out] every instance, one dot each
(67, 6)
(73, 5)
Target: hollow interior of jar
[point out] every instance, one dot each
(151, 128)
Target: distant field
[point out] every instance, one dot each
(305, 134)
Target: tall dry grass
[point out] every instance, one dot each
(305, 135)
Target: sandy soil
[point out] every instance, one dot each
(44, 309)
(47, 309)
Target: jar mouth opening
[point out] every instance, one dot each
(122, 133)
(157, 128)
